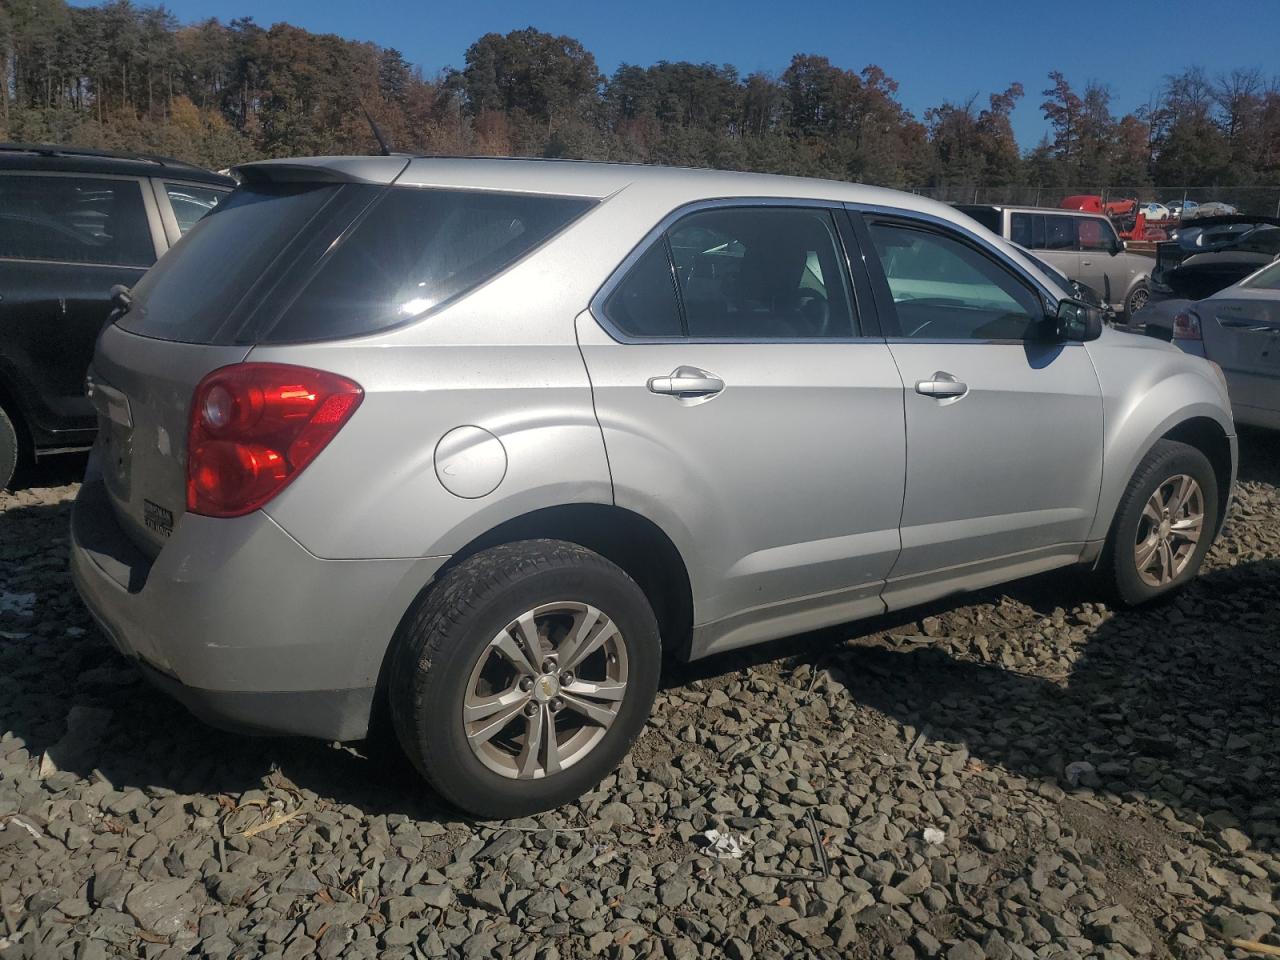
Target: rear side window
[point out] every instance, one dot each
(194, 288)
(644, 304)
(190, 202)
(415, 250)
(761, 273)
(74, 220)
(1060, 233)
(741, 273)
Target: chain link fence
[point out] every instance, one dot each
(1257, 200)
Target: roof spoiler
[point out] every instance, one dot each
(379, 170)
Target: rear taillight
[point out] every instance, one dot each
(254, 426)
(1186, 326)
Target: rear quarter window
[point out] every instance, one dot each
(415, 250)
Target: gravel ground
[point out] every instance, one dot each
(1028, 773)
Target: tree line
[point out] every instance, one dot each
(130, 77)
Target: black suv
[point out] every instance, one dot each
(73, 224)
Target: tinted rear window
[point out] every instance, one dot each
(193, 291)
(414, 250)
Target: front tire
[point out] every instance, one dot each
(523, 677)
(1164, 525)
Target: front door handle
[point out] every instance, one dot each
(686, 382)
(942, 386)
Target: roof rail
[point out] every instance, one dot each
(56, 150)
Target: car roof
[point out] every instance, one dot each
(65, 159)
(581, 178)
(657, 188)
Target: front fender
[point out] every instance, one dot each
(1148, 407)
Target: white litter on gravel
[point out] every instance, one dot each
(726, 846)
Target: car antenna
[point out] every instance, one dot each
(377, 134)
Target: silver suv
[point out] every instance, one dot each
(1084, 246)
(471, 443)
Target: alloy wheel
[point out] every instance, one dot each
(1169, 530)
(546, 690)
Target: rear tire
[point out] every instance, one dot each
(498, 733)
(1164, 525)
(10, 449)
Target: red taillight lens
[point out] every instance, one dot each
(1186, 326)
(254, 426)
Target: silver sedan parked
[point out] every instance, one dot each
(1238, 328)
(470, 443)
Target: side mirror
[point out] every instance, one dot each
(1077, 321)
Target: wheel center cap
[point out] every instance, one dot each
(1165, 527)
(546, 687)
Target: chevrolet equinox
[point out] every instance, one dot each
(472, 443)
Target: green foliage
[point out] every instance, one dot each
(131, 77)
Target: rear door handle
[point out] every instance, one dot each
(942, 386)
(686, 382)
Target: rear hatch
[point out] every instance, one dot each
(299, 253)
(196, 311)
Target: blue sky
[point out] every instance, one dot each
(936, 49)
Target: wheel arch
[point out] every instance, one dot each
(1203, 424)
(635, 543)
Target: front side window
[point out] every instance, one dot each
(1096, 235)
(944, 289)
(773, 273)
(190, 202)
(74, 220)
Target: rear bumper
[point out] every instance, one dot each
(239, 622)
